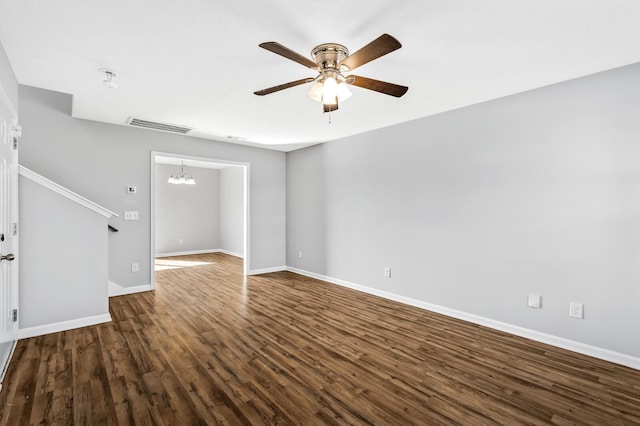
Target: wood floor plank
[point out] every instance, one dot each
(210, 346)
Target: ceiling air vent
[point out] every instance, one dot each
(165, 127)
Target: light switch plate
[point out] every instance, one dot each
(534, 301)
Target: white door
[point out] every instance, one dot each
(8, 237)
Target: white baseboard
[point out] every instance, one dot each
(118, 290)
(40, 330)
(4, 370)
(560, 342)
(267, 270)
(232, 253)
(186, 253)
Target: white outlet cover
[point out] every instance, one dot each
(576, 310)
(131, 215)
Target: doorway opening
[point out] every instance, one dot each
(210, 216)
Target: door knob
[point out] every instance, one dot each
(8, 257)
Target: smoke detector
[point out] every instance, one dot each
(109, 75)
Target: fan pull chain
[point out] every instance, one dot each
(327, 113)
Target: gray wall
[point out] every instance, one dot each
(63, 258)
(8, 82)
(190, 213)
(473, 209)
(98, 161)
(232, 209)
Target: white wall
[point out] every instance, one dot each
(63, 259)
(473, 209)
(190, 213)
(232, 209)
(8, 82)
(99, 160)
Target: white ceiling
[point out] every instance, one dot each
(197, 62)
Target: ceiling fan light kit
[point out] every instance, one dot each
(331, 60)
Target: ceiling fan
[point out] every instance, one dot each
(332, 60)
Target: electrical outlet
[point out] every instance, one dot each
(135, 267)
(299, 254)
(131, 215)
(181, 241)
(576, 310)
(387, 271)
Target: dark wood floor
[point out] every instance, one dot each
(212, 347)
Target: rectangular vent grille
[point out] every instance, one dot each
(165, 127)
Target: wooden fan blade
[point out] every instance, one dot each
(281, 50)
(377, 48)
(283, 86)
(377, 85)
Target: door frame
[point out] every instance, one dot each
(246, 197)
(13, 117)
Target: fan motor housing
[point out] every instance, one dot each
(329, 55)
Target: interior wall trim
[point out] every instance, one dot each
(231, 253)
(560, 342)
(267, 270)
(118, 290)
(41, 330)
(185, 253)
